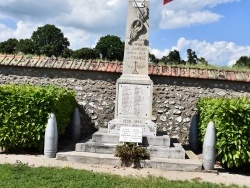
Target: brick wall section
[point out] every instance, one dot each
(176, 90)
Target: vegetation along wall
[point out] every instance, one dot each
(176, 89)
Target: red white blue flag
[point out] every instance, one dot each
(166, 1)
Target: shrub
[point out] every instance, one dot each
(232, 122)
(130, 153)
(24, 111)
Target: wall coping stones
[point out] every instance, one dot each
(116, 67)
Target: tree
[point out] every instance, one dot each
(192, 57)
(9, 46)
(243, 62)
(1, 47)
(25, 46)
(85, 53)
(67, 53)
(49, 40)
(202, 61)
(110, 47)
(153, 59)
(172, 58)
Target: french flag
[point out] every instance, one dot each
(166, 1)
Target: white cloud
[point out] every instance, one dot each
(106, 16)
(217, 53)
(95, 15)
(79, 38)
(32, 10)
(24, 30)
(158, 53)
(185, 13)
(7, 32)
(172, 20)
(112, 3)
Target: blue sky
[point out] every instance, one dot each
(217, 30)
(233, 26)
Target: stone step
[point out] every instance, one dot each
(175, 152)
(94, 147)
(192, 164)
(104, 137)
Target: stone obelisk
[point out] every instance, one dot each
(134, 88)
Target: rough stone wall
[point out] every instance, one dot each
(174, 100)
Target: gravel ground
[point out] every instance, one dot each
(39, 160)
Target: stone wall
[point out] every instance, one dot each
(174, 99)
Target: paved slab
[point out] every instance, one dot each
(192, 164)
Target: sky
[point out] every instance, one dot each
(217, 30)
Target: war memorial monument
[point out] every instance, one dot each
(133, 108)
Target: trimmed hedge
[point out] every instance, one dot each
(232, 122)
(24, 111)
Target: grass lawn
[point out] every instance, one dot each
(21, 175)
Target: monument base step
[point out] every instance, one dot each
(175, 152)
(100, 149)
(102, 136)
(105, 143)
(191, 165)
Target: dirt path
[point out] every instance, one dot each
(40, 160)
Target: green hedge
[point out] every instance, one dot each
(232, 122)
(24, 111)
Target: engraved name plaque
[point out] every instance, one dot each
(134, 100)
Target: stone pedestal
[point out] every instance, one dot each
(133, 104)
